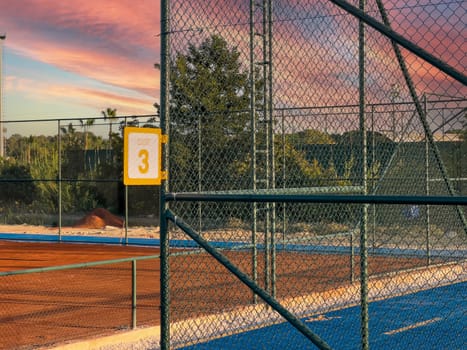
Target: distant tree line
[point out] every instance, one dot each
(89, 168)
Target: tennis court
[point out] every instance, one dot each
(52, 305)
(394, 324)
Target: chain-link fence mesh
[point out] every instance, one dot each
(56, 172)
(292, 98)
(61, 302)
(56, 177)
(265, 98)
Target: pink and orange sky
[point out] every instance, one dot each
(76, 58)
(73, 59)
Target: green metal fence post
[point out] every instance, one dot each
(265, 62)
(272, 152)
(427, 189)
(373, 176)
(126, 207)
(254, 263)
(284, 174)
(200, 172)
(59, 181)
(364, 216)
(352, 257)
(164, 117)
(133, 294)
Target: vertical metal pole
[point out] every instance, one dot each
(2, 140)
(266, 121)
(364, 219)
(133, 294)
(352, 255)
(443, 118)
(126, 215)
(284, 215)
(164, 237)
(59, 180)
(200, 166)
(126, 209)
(373, 175)
(272, 149)
(427, 189)
(254, 227)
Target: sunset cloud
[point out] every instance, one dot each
(126, 104)
(107, 49)
(112, 42)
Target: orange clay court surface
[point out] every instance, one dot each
(53, 307)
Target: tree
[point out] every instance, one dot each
(110, 114)
(209, 102)
(71, 138)
(18, 187)
(310, 137)
(85, 125)
(209, 81)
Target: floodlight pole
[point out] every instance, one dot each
(2, 141)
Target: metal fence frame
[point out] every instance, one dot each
(268, 195)
(60, 179)
(365, 199)
(133, 261)
(265, 295)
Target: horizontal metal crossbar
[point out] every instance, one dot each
(293, 190)
(77, 266)
(316, 198)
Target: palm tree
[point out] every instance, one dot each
(111, 115)
(70, 133)
(85, 125)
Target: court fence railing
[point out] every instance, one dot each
(445, 269)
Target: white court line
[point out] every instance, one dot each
(413, 326)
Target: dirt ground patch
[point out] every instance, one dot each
(99, 218)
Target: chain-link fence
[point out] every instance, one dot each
(64, 302)
(313, 99)
(283, 118)
(56, 172)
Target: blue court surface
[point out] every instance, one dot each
(431, 319)
(179, 243)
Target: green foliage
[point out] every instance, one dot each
(209, 115)
(299, 172)
(90, 168)
(354, 137)
(110, 114)
(209, 79)
(17, 185)
(310, 137)
(210, 97)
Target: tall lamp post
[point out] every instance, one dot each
(2, 140)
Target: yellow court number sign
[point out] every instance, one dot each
(142, 149)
